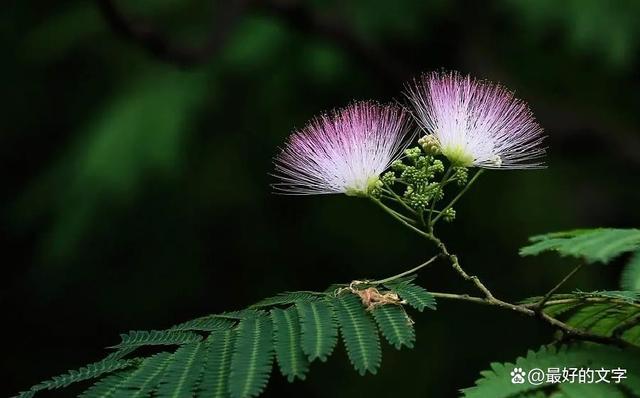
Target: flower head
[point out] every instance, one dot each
(344, 151)
(476, 123)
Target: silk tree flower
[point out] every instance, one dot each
(344, 151)
(476, 123)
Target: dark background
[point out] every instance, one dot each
(135, 158)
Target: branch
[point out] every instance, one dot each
(547, 296)
(569, 331)
(405, 273)
(490, 299)
(156, 43)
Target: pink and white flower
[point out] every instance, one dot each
(344, 151)
(477, 123)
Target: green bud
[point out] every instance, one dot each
(436, 167)
(375, 190)
(449, 215)
(461, 175)
(413, 153)
(430, 144)
(435, 191)
(388, 178)
(419, 201)
(414, 176)
(398, 165)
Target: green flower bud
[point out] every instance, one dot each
(436, 167)
(375, 190)
(449, 215)
(398, 165)
(388, 178)
(413, 153)
(429, 144)
(461, 175)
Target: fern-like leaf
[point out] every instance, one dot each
(291, 358)
(148, 375)
(207, 323)
(593, 245)
(395, 325)
(138, 338)
(108, 386)
(288, 298)
(496, 383)
(318, 328)
(359, 334)
(136, 383)
(183, 372)
(90, 371)
(241, 314)
(416, 296)
(631, 275)
(251, 360)
(215, 379)
(605, 313)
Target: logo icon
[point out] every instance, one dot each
(517, 376)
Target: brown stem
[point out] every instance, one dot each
(547, 296)
(569, 331)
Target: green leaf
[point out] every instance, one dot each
(251, 361)
(137, 338)
(415, 296)
(395, 325)
(288, 298)
(134, 383)
(319, 329)
(605, 313)
(496, 383)
(238, 315)
(359, 334)
(576, 390)
(631, 275)
(108, 386)
(215, 379)
(148, 375)
(291, 358)
(207, 323)
(183, 373)
(90, 371)
(593, 245)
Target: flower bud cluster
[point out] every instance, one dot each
(420, 175)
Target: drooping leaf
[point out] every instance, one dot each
(318, 328)
(416, 296)
(593, 245)
(147, 376)
(395, 325)
(215, 378)
(497, 382)
(241, 314)
(108, 386)
(137, 338)
(358, 333)
(291, 359)
(182, 374)
(207, 323)
(605, 313)
(251, 360)
(631, 275)
(288, 298)
(135, 383)
(90, 371)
